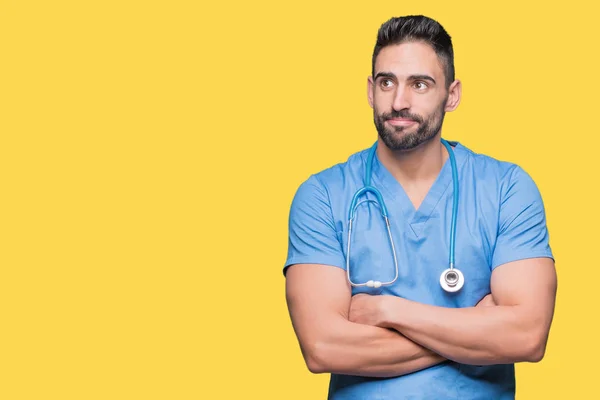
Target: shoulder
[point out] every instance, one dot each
(490, 172)
(338, 175)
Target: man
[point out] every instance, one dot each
(384, 320)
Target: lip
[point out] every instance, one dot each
(401, 122)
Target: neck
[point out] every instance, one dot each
(421, 164)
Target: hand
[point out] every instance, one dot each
(487, 301)
(367, 309)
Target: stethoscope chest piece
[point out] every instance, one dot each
(452, 280)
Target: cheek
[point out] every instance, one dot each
(432, 113)
(382, 104)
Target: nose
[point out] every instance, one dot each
(401, 99)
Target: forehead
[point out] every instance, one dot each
(409, 58)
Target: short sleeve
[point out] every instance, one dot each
(312, 233)
(522, 231)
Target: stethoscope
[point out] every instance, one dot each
(452, 279)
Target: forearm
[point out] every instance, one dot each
(474, 335)
(354, 349)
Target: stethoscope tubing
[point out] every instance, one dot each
(451, 279)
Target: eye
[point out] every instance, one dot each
(386, 83)
(420, 85)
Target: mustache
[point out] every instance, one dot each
(401, 114)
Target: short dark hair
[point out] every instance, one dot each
(417, 28)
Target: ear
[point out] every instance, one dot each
(454, 95)
(370, 87)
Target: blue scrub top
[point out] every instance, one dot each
(501, 218)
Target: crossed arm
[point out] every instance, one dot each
(387, 336)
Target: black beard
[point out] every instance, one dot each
(426, 131)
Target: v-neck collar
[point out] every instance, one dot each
(384, 180)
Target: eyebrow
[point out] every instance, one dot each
(410, 78)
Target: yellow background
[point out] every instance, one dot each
(149, 152)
